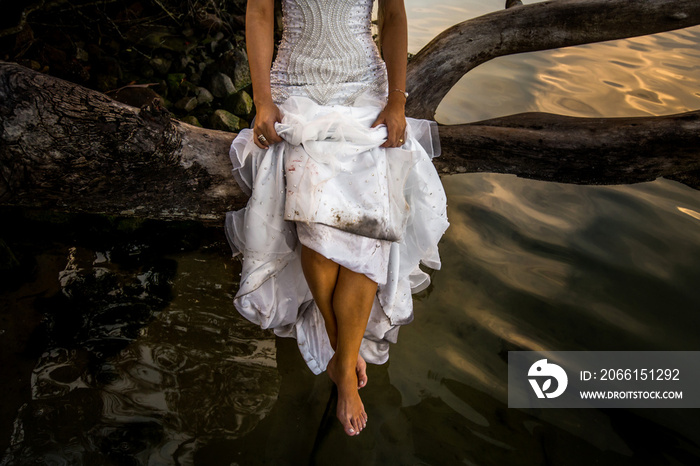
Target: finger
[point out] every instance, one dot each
(274, 138)
(391, 141)
(258, 142)
(379, 121)
(270, 133)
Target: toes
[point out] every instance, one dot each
(362, 380)
(361, 371)
(350, 429)
(357, 425)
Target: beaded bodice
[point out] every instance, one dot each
(327, 53)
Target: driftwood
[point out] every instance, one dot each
(63, 146)
(577, 150)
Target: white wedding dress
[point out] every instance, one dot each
(330, 186)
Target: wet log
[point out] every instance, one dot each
(540, 26)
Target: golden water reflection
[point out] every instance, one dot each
(642, 76)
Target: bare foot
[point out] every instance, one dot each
(361, 372)
(351, 412)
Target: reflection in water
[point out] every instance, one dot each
(144, 361)
(642, 76)
(545, 266)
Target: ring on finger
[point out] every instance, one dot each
(262, 138)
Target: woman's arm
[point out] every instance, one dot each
(394, 42)
(259, 34)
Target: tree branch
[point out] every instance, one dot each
(577, 150)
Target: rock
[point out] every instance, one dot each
(195, 78)
(136, 95)
(186, 103)
(160, 65)
(159, 37)
(191, 120)
(240, 103)
(81, 54)
(31, 64)
(234, 63)
(241, 75)
(185, 61)
(226, 121)
(165, 103)
(203, 96)
(221, 85)
(224, 46)
(188, 88)
(106, 82)
(146, 71)
(174, 80)
(8, 261)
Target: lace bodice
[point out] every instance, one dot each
(327, 53)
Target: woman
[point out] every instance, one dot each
(345, 201)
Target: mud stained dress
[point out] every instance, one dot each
(330, 187)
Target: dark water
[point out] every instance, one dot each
(120, 345)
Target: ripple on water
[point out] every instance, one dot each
(649, 75)
(153, 358)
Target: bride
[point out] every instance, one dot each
(345, 201)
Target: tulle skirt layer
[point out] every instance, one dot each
(330, 187)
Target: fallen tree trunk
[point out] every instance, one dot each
(540, 26)
(71, 148)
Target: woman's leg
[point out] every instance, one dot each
(352, 302)
(345, 300)
(322, 275)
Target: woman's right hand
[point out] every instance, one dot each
(267, 114)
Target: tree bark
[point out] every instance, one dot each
(540, 26)
(67, 147)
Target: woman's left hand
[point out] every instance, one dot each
(394, 117)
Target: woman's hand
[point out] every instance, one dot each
(267, 114)
(394, 117)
